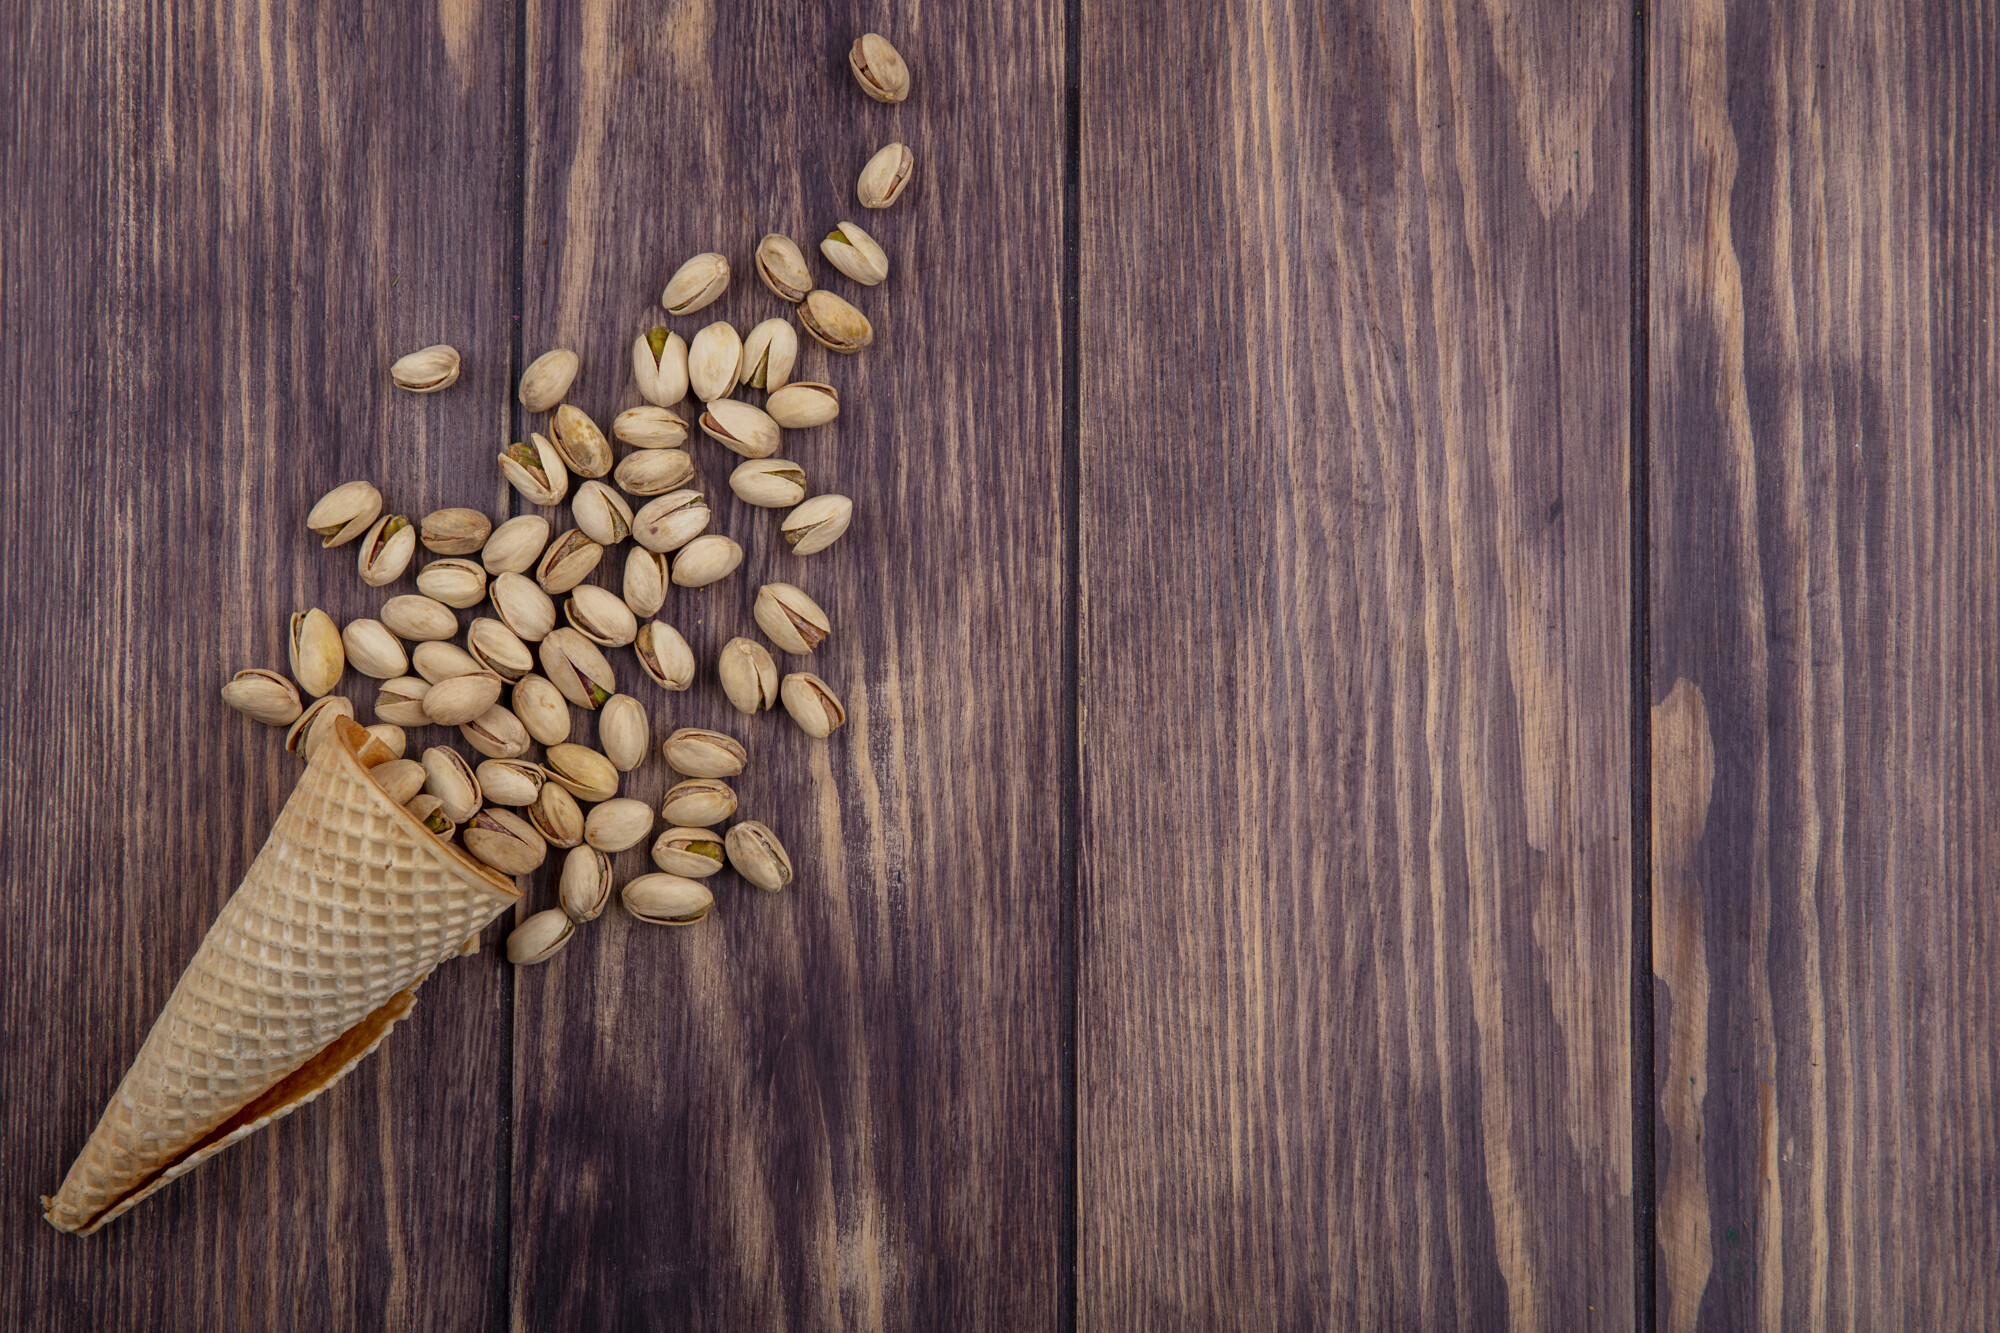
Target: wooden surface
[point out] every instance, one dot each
(1299, 441)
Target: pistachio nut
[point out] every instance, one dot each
(368, 751)
(649, 427)
(317, 655)
(392, 738)
(567, 562)
(664, 655)
(666, 900)
(790, 618)
(601, 513)
(496, 733)
(401, 701)
(803, 404)
(515, 545)
(582, 771)
(456, 700)
(556, 816)
(769, 483)
(414, 616)
(522, 607)
(882, 180)
(536, 470)
(264, 695)
(758, 856)
(748, 675)
(373, 651)
(699, 753)
(514, 782)
(878, 67)
(696, 284)
(835, 324)
(455, 582)
(769, 354)
(449, 778)
(653, 471)
(670, 521)
(547, 379)
(345, 512)
(705, 560)
(618, 824)
(539, 938)
(601, 616)
(399, 779)
(660, 366)
(574, 665)
(782, 266)
(428, 810)
(713, 360)
(386, 550)
(306, 733)
(455, 531)
(505, 841)
(541, 708)
(817, 524)
(586, 883)
(740, 428)
(694, 853)
(857, 254)
(493, 647)
(812, 704)
(426, 371)
(645, 581)
(582, 445)
(623, 731)
(698, 802)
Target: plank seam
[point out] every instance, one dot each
(1072, 464)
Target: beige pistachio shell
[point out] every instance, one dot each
(514, 782)
(400, 779)
(817, 524)
(646, 574)
(457, 700)
(707, 559)
(614, 825)
(885, 177)
(671, 521)
(660, 366)
(758, 856)
(547, 379)
(318, 656)
(416, 617)
(740, 428)
(769, 352)
(769, 483)
(373, 651)
(624, 732)
(782, 266)
(265, 696)
(664, 655)
(698, 802)
(649, 427)
(857, 254)
(451, 779)
(536, 470)
(541, 708)
(401, 701)
(427, 810)
(392, 738)
(496, 733)
(835, 324)
(790, 618)
(306, 733)
(748, 674)
(522, 607)
(879, 68)
(601, 616)
(386, 550)
(577, 667)
(601, 513)
(667, 900)
(345, 512)
(569, 561)
(556, 816)
(426, 371)
(586, 774)
(435, 660)
(804, 404)
(515, 545)
(540, 938)
(693, 853)
(696, 284)
(505, 841)
(493, 647)
(455, 531)
(586, 883)
(653, 471)
(714, 357)
(812, 704)
(585, 451)
(696, 752)
(455, 582)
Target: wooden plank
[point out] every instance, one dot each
(1824, 497)
(838, 1106)
(223, 225)
(1353, 1003)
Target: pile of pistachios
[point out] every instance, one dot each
(515, 804)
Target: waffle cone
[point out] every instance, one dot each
(314, 958)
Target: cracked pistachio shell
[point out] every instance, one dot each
(567, 562)
(582, 771)
(857, 254)
(696, 752)
(817, 524)
(373, 651)
(586, 883)
(496, 733)
(450, 778)
(878, 67)
(653, 471)
(536, 470)
(263, 695)
(601, 616)
(392, 738)
(694, 853)
(401, 701)
(698, 802)
(428, 810)
(515, 782)
(507, 842)
(493, 647)
(522, 607)
(574, 665)
(345, 512)
(660, 366)
(649, 427)
(457, 700)
(386, 550)
(782, 266)
(882, 180)
(758, 856)
(748, 674)
(582, 445)
(645, 581)
(542, 709)
(812, 704)
(671, 521)
(305, 734)
(515, 545)
(617, 824)
(696, 284)
(400, 779)
(769, 353)
(835, 324)
(539, 938)
(803, 404)
(740, 428)
(426, 371)
(664, 655)
(666, 900)
(455, 582)
(547, 379)
(316, 652)
(769, 483)
(714, 357)
(790, 618)
(705, 560)
(556, 816)
(455, 531)
(414, 616)
(601, 513)
(623, 731)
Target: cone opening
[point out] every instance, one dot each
(355, 745)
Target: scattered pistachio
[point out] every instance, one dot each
(455, 582)
(713, 360)
(769, 353)
(386, 550)
(667, 900)
(696, 284)
(515, 782)
(758, 856)
(586, 883)
(522, 607)
(817, 524)
(878, 67)
(556, 816)
(694, 853)
(698, 802)
(536, 470)
(505, 841)
(623, 731)
(699, 753)
(856, 253)
(705, 560)
(317, 655)
(455, 531)
(586, 774)
(401, 701)
(582, 445)
(617, 824)
(574, 665)
(567, 562)
(790, 618)
(882, 180)
(601, 616)
(426, 371)
(645, 581)
(748, 674)
(264, 695)
(670, 521)
(427, 810)
(803, 404)
(740, 428)
(664, 655)
(653, 471)
(494, 647)
(496, 733)
(769, 483)
(782, 266)
(373, 651)
(812, 704)
(539, 938)
(306, 734)
(414, 616)
(345, 512)
(449, 778)
(835, 324)
(547, 379)
(649, 427)
(541, 708)
(457, 700)
(434, 660)
(392, 738)
(601, 513)
(399, 779)
(515, 545)
(660, 366)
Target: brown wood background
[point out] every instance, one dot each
(1365, 509)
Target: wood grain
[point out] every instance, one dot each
(837, 1106)
(217, 240)
(1353, 1001)
(1824, 567)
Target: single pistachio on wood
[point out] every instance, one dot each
(449, 778)
(386, 550)
(428, 810)
(660, 366)
(306, 733)
(494, 647)
(574, 665)
(666, 900)
(505, 841)
(748, 674)
(782, 266)
(316, 652)
(769, 483)
(582, 771)
(582, 445)
(345, 512)
(515, 545)
(522, 607)
(455, 582)
(705, 560)
(812, 704)
(740, 428)
(618, 824)
(399, 779)
(623, 731)
(539, 938)
(790, 618)
(804, 404)
(496, 733)
(713, 360)
(601, 513)
(586, 883)
(698, 802)
(645, 581)
(882, 180)
(547, 379)
(541, 708)
(835, 324)
(653, 471)
(426, 371)
(514, 782)
(670, 521)
(696, 284)
(817, 524)
(536, 470)
(696, 752)
(373, 651)
(567, 562)
(693, 853)
(769, 353)
(601, 616)
(758, 856)
(263, 695)
(878, 67)
(664, 655)
(392, 738)
(414, 616)
(401, 701)
(455, 531)
(556, 816)
(457, 700)
(857, 254)
(649, 427)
